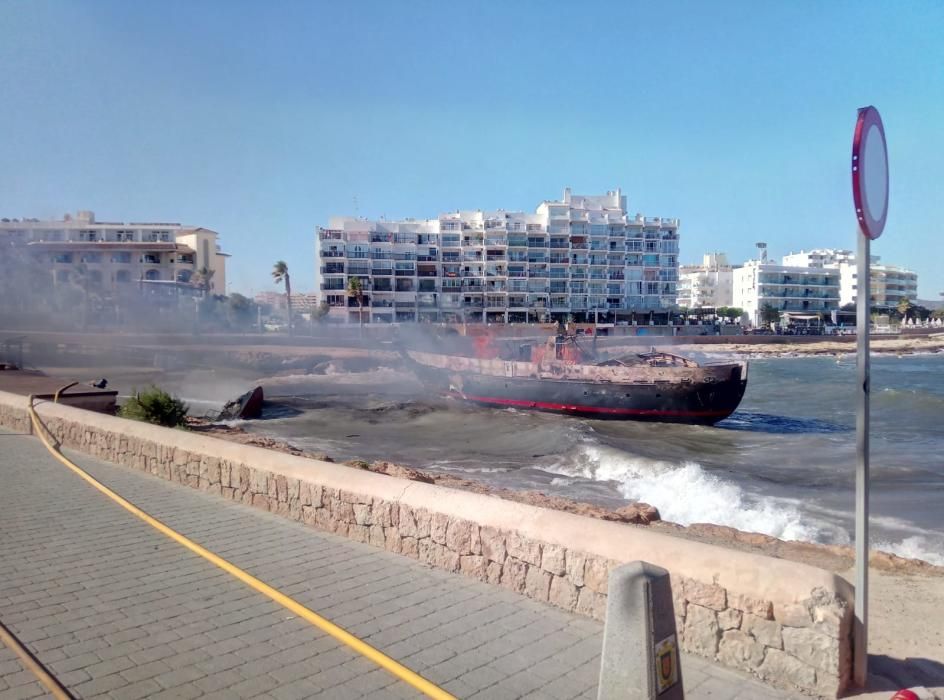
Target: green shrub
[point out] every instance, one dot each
(156, 406)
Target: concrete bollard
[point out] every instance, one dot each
(640, 645)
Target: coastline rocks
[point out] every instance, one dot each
(391, 469)
(638, 513)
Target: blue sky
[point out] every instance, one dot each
(263, 119)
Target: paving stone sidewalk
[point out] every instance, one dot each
(15, 680)
(115, 609)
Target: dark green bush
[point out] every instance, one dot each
(156, 406)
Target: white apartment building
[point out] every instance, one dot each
(889, 283)
(108, 254)
(302, 302)
(710, 284)
(791, 290)
(582, 256)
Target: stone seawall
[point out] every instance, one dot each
(785, 622)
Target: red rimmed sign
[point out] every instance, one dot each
(870, 173)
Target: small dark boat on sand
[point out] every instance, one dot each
(247, 406)
(557, 377)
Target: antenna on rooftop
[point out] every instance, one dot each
(761, 251)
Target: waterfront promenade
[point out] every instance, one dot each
(113, 608)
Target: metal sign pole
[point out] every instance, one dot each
(863, 304)
(870, 195)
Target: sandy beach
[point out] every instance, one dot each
(879, 345)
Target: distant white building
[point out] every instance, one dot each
(889, 283)
(109, 255)
(581, 255)
(790, 290)
(710, 284)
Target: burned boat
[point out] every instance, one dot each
(560, 376)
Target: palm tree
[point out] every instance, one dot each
(280, 274)
(769, 315)
(203, 279)
(82, 272)
(904, 308)
(356, 290)
(320, 311)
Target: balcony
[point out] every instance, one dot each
(381, 238)
(332, 253)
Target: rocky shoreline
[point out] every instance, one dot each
(830, 557)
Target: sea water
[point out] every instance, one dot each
(783, 464)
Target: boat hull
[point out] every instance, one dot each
(704, 404)
(680, 393)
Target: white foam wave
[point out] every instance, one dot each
(915, 547)
(687, 494)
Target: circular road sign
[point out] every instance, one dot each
(870, 172)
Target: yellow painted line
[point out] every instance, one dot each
(55, 688)
(326, 626)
